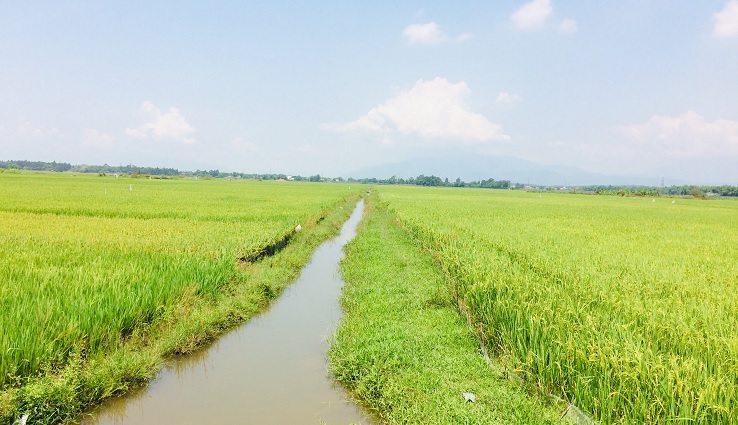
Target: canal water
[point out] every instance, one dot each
(272, 370)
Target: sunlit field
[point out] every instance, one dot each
(88, 261)
(624, 306)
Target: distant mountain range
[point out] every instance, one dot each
(471, 167)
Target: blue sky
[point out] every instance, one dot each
(616, 87)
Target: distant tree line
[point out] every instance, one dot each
(620, 190)
(421, 180)
(125, 169)
(135, 171)
(84, 168)
(683, 190)
(36, 165)
(724, 190)
(255, 176)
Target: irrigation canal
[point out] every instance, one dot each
(272, 370)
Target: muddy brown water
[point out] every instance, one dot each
(272, 370)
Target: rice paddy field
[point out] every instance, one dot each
(625, 307)
(92, 263)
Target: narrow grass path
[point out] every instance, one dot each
(402, 348)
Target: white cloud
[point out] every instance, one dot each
(430, 33)
(170, 125)
(532, 16)
(433, 109)
(568, 26)
(94, 138)
(504, 98)
(373, 121)
(685, 136)
(725, 22)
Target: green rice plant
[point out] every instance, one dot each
(90, 262)
(623, 306)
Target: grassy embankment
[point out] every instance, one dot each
(101, 283)
(624, 306)
(403, 349)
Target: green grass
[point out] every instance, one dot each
(403, 350)
(624, 306)
(100, 283)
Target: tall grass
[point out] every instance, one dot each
(88, 263)
(623, 306)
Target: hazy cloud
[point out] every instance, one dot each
(532, 16)
(463, 37)
(430, 33)
(28, 131)
(94, 138)
(568, 26)
(308, 149)
(687, 135)
(244, 146)
(432, 109)
(504, 98)
(725, 22)
(170, 125)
